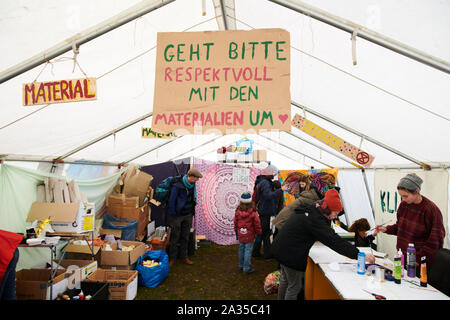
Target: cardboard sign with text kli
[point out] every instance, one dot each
(347, 149)
(222, 81)
(59, 91)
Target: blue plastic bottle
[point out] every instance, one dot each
(361, 263)
(411, 260)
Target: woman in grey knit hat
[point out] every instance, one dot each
(419, 221)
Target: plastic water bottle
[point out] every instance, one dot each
(411, 260)
(398, 268)
(361, 263)
(402, 258)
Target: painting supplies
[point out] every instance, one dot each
(411, 261)
(402, 258)
(361, 269)
(377, 296)
(379, 274)
(397, 269)
(423, 272)
(383, 224)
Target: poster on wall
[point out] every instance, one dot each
(387, 200)
(324, 179)
(347, 149)
(222, 82)
(218, 196)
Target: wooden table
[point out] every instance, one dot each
(332, 276)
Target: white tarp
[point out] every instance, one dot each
(434, 187)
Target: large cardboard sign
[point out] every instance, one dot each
(59, 91)
(387, 200)
(347, 149)
(222, 81)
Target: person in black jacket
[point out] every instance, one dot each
(309, 224)
(266, 206)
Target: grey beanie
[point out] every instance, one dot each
(410, 182)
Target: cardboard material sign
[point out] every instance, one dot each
(222, 81)
(59, 91)
(347, 149)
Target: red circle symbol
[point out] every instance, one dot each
(362, 157)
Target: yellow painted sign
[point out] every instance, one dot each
(361, 157)
(149, 133)
(59, 91)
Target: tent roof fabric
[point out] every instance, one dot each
(386, 96)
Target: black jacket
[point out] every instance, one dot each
(292, 244)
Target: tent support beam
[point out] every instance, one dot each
(152, 149)
(380, 144)
(368, 192)
(83, 37)
(296, 151)
(126, 125)
(192, 149)
(367, 34)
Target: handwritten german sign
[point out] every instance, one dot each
(361, 157)
(222, 81)
(59, 91)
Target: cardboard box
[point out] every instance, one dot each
(138, 185)
(121, 260)
(34, 284)
(122, 284)
(86, 267)
(259, 155)
(82, 252)
(127, 208)
(65, 217)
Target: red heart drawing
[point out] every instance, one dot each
(283, 117)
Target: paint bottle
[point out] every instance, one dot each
(402, 258)
(398, 269)
(411, 260)
(361, 269)
(423, 272)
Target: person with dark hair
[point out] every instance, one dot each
(246, 225)
(304, 184)
(360, 228)
(266, 207)
(182, 202)
(419, 221)
(280, 200)
(309, 224)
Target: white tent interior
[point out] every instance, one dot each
(394, 105)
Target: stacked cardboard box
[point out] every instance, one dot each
(130, 199)
(120, 259)
(122, 284)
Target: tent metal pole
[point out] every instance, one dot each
(86, 162)
(192, 149)
(152, 149)
(327, 151)
(83, 37)
(296, 151)
(105, 135)
(401, 154)
(368, 192)
(367, 34)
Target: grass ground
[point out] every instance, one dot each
(213, 276)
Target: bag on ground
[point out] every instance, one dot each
(152, 268)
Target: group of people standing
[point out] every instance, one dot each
(304, 221)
